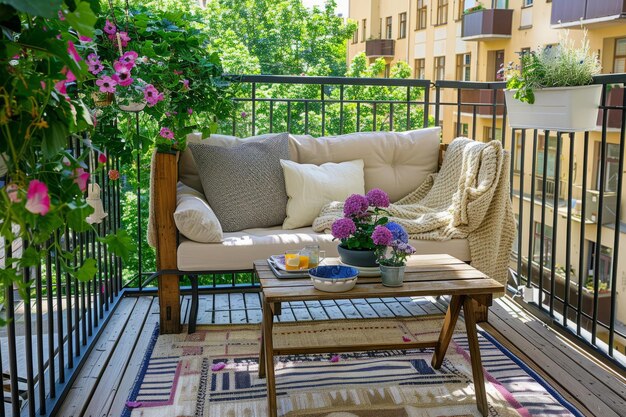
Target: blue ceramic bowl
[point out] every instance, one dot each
(333, 272)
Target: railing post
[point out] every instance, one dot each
(165, 177)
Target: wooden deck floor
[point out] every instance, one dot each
(103, 384)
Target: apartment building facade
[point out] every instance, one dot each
(471, 41)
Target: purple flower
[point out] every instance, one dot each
(355, 206)
(106, 84)
(166, 133)
(109, 28)
(129, 58)
(397, 232)
(343, 228)
(403, 248)
(124, 39)
(122, 74)
(152, 95)
(382, 236)
(377, 198)
(93, 59)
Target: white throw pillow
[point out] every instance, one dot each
(194, 218)
(310, 187)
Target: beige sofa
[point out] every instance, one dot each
(397, 162)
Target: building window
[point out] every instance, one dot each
(488, 134)
(422, 15)
(442, 12)
(388, 28)
(606, 261)
(355, 36)
(500, 4)
(363, 30)
(550, 177)
(460, 8)
(527, 3)
(611, 167)
(463, 68)
(440, 67)
(619, 62)
(387, 70)
(402, 26)
(420, 69)
(518, 154)
(547, 244)
(461, 130)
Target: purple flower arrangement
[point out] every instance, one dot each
(362, 215)
(392, 236)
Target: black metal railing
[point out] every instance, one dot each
(49, 333)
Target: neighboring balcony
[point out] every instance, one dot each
(380, 47)
(614, 98)
(487, 24)
(480, 102)
(576, 13)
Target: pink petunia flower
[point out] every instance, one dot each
(61, 15)
(189, 110)
(152, 95)
(12, 191)
(124, 39)
(122, 74)
(102, 158)
(37, 198)
(106, 84)
(92, 59)
(80, 178)
(84, 38)
(114, 174)
(185, 84)
(109, 28)
(166, 133)
(129, 58)
(71, 49)
(96, 68)
(60, 86)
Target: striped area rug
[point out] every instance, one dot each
(181, 376)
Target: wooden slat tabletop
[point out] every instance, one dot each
(425, 275)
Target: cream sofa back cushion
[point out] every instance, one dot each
(397, 162)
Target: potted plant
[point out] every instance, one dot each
(392, 249)
(551, 89)
(362, 213)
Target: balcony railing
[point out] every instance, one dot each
(380, 47)
(487, 24)
(62, 334)
(574, 13)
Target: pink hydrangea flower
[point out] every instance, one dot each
(166, 133)
(355, 206)
(102, 158)
(152, 95)
(129, 58)
(377, 198)
(81, 177)
(12, 191)
(37, 198)
(106, 84)
(71, 49)
(382, 236)
(122, 74)
(109, 28)
(343, 228)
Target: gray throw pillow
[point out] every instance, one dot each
(244, 184)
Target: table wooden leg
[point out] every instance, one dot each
(477, 367)
(268, 347)
(454, 308)
(262, 349)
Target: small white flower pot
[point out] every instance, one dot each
(563, 109)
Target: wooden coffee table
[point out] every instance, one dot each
(426, 275)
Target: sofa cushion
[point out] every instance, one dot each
(309, 187)
(193, 216)
(239, 250)
(244, 184)
(397, 162)
(187, 169)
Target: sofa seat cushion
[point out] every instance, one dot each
(239, 250)
(397, 162)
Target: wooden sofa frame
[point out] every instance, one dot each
(165, 178)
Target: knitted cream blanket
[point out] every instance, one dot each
(467, 199)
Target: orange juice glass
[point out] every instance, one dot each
(292, 260)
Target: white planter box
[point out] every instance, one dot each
(563, 109)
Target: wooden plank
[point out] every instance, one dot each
(546, 359)
(109, 380)
(134, 364)
(165, 176)
(357, 347)
(89, 375)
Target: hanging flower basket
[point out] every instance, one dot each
(133, 107)
(102, 99)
